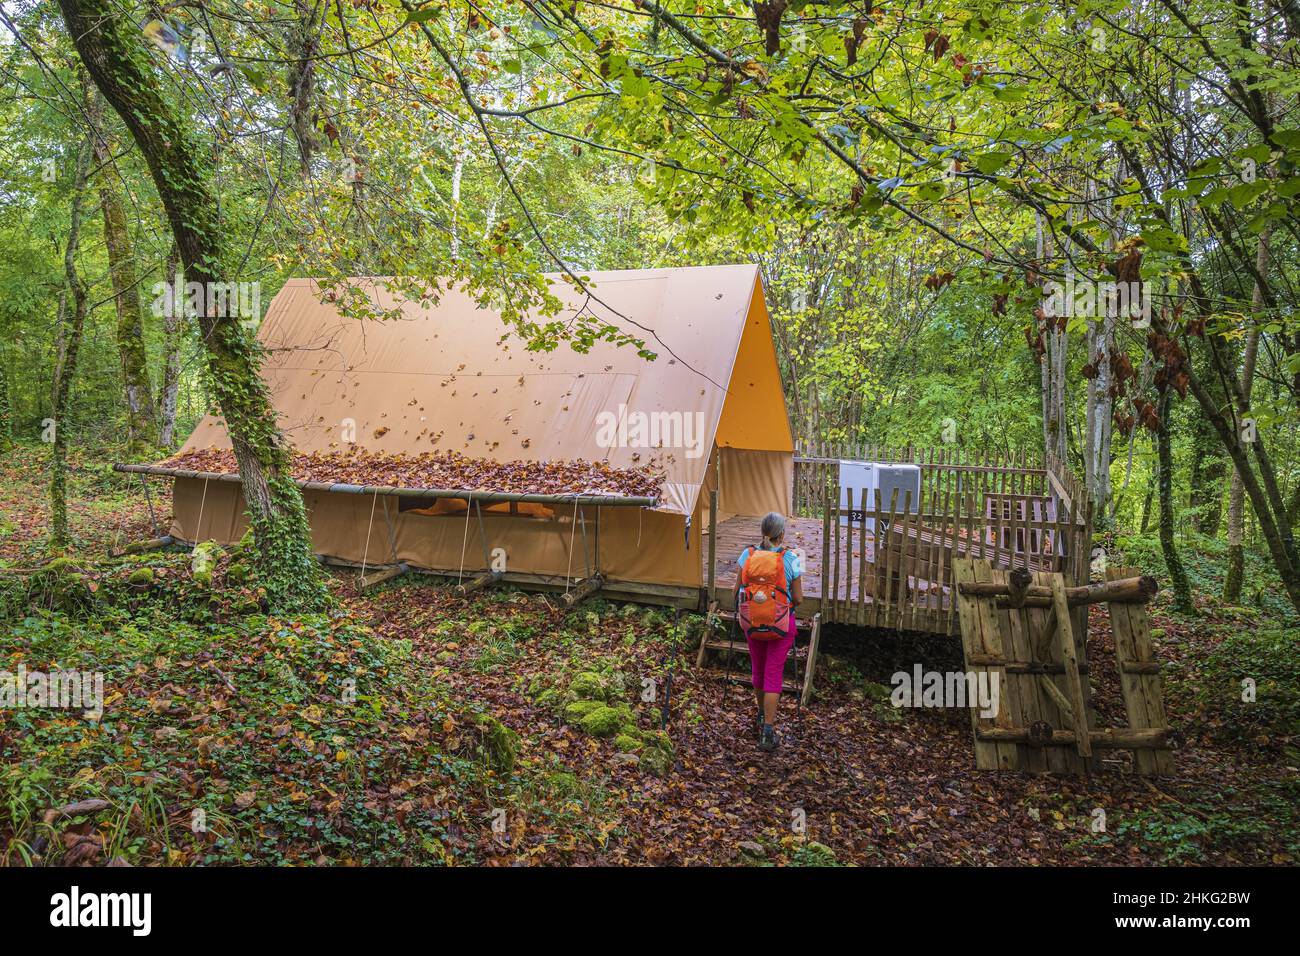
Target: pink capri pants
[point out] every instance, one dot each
(767, 659)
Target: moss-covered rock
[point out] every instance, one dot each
(658, 760)
(603, 721)
(61, 584)
(575, 712)
(626, 743)
(550, 697)
(499, 744)
(237, 572)
(588, 686)
(203, 561)
(876, 691)
(813, 853)
(141, 577)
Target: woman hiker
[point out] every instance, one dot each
(767, 592)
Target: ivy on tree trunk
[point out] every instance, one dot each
(6, 411)
(66, 369)
(1164, 479)
(142, 430)
(115, 55)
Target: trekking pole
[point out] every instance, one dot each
(731, 645)
(798, 694)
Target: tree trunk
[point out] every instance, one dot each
(1177, 574)
(1237, 492)
(303, 44)
(66, 368)
(118, 60)
(1101, 339)
(173, 323)
(6, 411)
(142, 432)
(1147, 499)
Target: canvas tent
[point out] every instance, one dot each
(441, 378)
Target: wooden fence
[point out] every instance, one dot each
(943, 471)
(889, 563)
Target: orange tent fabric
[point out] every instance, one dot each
(441, 378)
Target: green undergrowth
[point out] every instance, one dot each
(595, 695)
(228, 735)
(1244, 692)
(1197, 832)
(1205, 560)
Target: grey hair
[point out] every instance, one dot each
(773, 527)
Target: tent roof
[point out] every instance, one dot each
(441, 378)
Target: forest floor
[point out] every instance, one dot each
(411, 725)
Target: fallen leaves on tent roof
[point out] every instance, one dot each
(448, 469)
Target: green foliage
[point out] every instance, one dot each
(1264, 714)
(1181, 834)
(278, 730)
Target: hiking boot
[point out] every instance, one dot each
(767, 740)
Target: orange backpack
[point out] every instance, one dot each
(764, 609)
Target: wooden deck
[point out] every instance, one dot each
(740, 532)
(917, 564)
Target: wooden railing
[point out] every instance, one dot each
(943, 471)
(889, 563)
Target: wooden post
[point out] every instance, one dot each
(713, 545)
(1139, 684)
(584, 588)
(480, 580)
(1073, 682)
(810, 668)
(708, 633)
(137, 547)
(860, 617)
(1018, 582)
(826, 553)
(379, 577)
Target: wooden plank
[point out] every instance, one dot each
(1142, 693)
(826, 555)
(1069, 655)
(877, 591)
(708, 633)
(891, 562)
(981, 637)
(861, 616)
(1021, 692)
(833, 574)
(810, 668)
(1040, 625)
(713, 544)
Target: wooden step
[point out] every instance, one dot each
(736, 642)
(787, 687)
(739, 645)
(803, 625)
